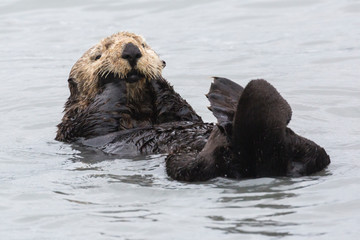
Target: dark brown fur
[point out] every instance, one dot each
(257, 143)
(120, 103)
(103, 99)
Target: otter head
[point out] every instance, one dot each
(122, 56)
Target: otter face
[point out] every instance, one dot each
(120, 57)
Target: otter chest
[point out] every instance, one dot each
(141, 112)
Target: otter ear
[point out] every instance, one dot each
(107, 43)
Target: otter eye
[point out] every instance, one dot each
(143, 44)
(97, 57)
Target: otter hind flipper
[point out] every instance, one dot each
(223, 96)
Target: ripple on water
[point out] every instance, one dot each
(307, 49)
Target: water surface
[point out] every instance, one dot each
(309, 50)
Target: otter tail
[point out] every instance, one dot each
(262, 144)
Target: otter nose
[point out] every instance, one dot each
(131, 53)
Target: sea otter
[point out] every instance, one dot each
(119, 102)
(117, 85)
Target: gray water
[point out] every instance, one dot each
(308, 49)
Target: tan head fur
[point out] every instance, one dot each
(106, 58)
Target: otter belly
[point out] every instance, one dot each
(162, 138)
(251, 138)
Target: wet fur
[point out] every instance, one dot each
(101, 103)
(255, 141)
(251, 138)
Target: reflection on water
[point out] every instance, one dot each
(49, 190)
